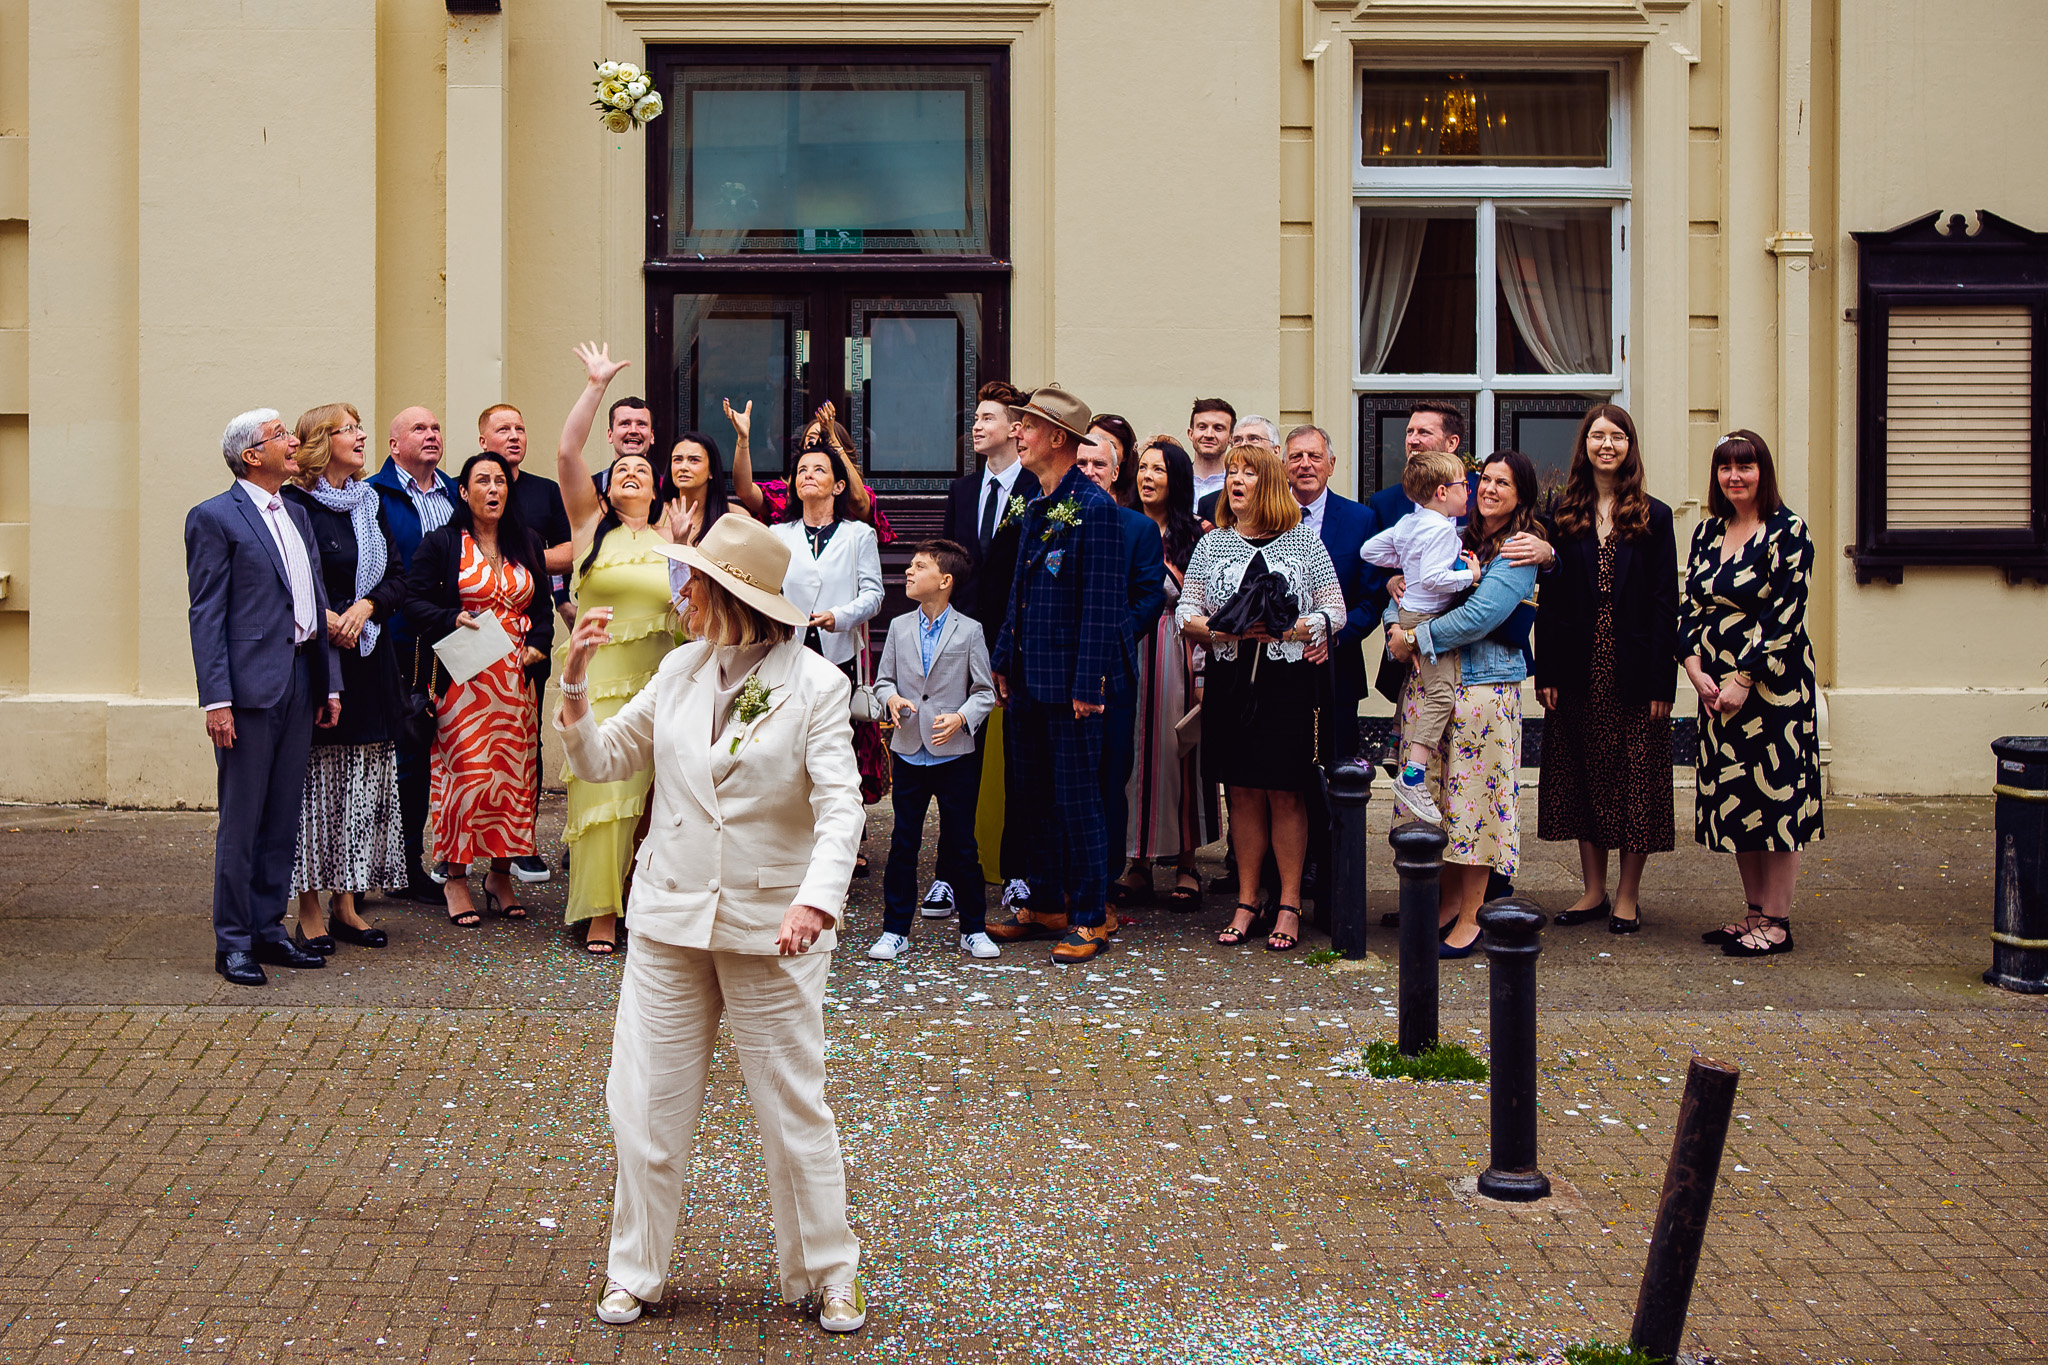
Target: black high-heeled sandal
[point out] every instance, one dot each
(1232, 937)
(1182, 899)
(1753, 942)
(1277, 942)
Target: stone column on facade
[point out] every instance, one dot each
(476, 240)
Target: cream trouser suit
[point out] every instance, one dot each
(746, 818)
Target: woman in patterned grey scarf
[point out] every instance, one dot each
(349, 826)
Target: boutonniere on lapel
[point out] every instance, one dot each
(1013, 513)
(1061, 518)
(750, 705)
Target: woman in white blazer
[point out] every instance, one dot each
(835, 562)
(755, 814)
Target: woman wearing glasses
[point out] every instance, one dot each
(1606, 640)
(349, 825)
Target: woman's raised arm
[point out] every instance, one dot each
(579, 491)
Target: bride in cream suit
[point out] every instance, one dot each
(737, 891)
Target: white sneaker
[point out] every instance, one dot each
(979, 945)
(1016, 893)
(937, 902)
(843, 1307)
(617, 1305)
(1415, 799)
(889, 947)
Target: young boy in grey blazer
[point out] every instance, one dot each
(934, 679)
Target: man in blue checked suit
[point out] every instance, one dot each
(1055, 663)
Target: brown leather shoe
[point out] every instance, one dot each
(1082, 942)
(1026, 923)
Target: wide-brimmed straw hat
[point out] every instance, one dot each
(748, 562)
(1055, 405)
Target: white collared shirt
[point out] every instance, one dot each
(298, 566)
(1312, 513)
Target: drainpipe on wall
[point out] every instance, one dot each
(476, 237)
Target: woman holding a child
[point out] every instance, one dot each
(1471, 773)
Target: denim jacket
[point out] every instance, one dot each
(1465, 627)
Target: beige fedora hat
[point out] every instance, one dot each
(1055, 405)
(747, 560)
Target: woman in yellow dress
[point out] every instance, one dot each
(616, 565)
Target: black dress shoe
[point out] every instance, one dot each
(424, 892)
(362, 938)
(240, 968)
(288, 955)
(322, 944)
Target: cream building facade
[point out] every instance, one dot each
(207, 206)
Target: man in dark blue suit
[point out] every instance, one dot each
(1431, 426)
(1145, 594)
(1343, 525)
(1061, 644)
(267, 675)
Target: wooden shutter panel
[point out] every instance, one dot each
(1958, 417)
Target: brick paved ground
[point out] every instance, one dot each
(1158, 1157)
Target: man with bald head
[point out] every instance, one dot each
(418, 498)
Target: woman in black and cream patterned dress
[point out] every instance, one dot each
(349, 825)
(1742, 638)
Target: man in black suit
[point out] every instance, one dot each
(978, 506)
(267, 675)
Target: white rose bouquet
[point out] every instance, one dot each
(626, 98)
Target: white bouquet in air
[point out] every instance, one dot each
(626, 98)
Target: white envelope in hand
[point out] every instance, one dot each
(466, 653)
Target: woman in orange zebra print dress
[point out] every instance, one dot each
(485, 741)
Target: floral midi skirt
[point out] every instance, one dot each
(1472, 774)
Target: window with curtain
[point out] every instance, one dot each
(1492, 235)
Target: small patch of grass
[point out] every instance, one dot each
(1320, 956)
(1444, 1062)
(1608, 1353)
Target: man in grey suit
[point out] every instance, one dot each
(267, 675)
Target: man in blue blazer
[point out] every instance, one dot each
(267, 675)
(418, 498)
(1061, 644)
(1145, 594)
(1343, 525)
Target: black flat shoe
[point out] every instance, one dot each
(1722, 935)
(362, 938)
(1183, 899)
(1601, 911)
(322, 944)
(1617, 925)
(240, 969)
(1757, 943)
(288, 954)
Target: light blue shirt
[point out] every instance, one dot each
(430, 502)
(929, 632)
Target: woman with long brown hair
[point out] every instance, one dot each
(1606, 631)
(1472, 775)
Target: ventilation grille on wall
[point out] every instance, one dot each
(1958, 417)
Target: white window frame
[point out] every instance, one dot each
(1478, 189)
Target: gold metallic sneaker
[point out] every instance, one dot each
(844, 1307)
(617, 1305)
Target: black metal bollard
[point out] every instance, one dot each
(2019, 899)
(1350, 789)
(1674, 1258)
(1513, 927)
(1419, 858)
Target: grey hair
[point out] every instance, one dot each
(242, 434)
(1307, 427)
(1264, 424)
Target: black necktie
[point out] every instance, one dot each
(989, 504)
